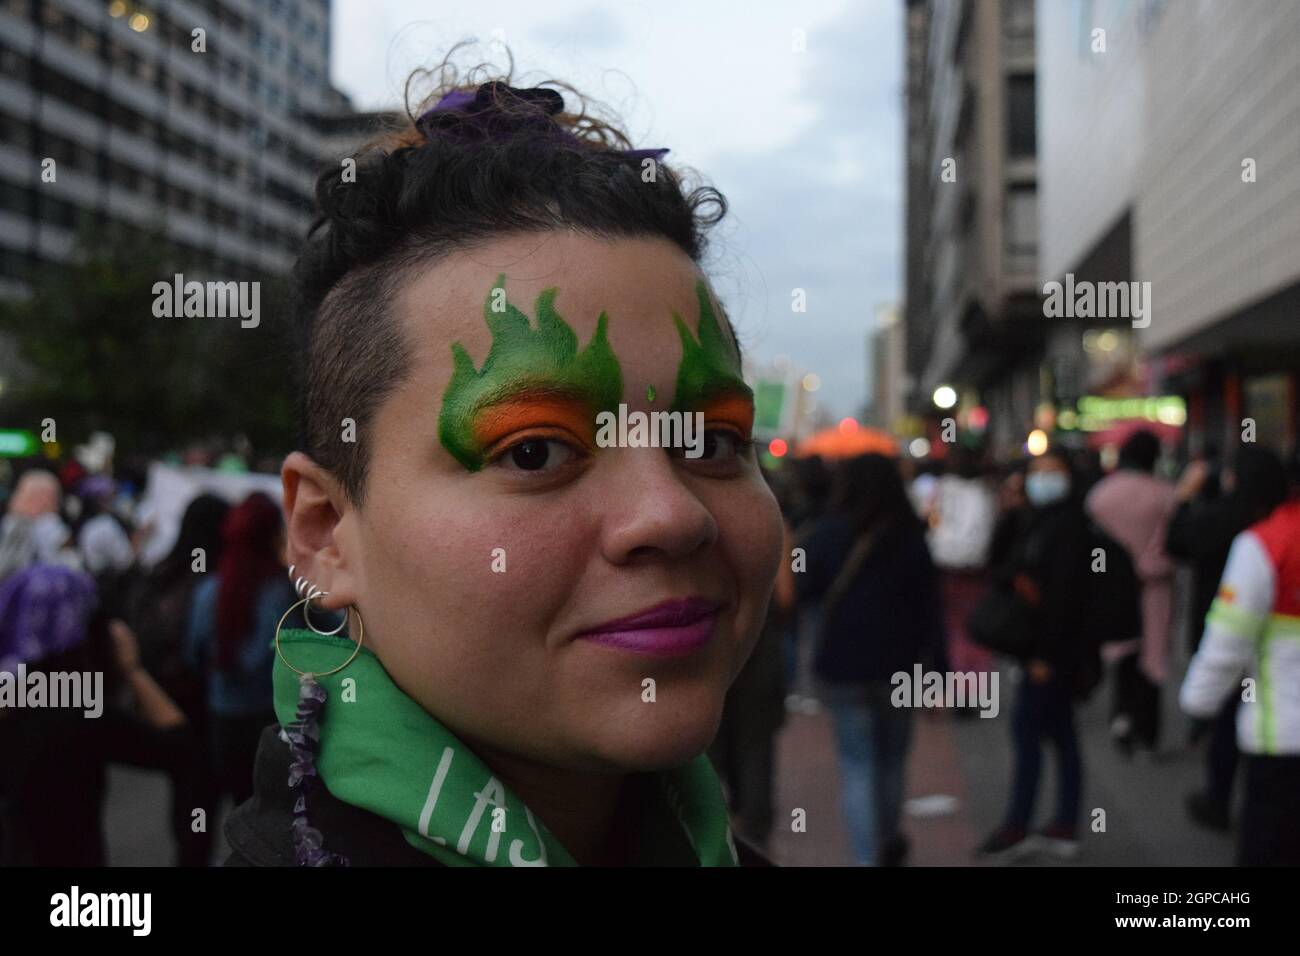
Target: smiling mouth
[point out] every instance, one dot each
(671, 629)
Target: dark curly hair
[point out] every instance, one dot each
(516, 162)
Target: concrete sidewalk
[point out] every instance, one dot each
(808, 777)
(958, 782)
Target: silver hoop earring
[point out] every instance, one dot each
(308, 592)
(304, 588)
(306, 616)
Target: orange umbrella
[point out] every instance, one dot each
(847, 440)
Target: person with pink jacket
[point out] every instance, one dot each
(1134, 507)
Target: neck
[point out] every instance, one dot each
(579, 808)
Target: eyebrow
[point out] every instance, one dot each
(728, 387)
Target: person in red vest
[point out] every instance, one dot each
(1251, 647)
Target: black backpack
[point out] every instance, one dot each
(1113, 610)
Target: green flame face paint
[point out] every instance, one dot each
(711, 365)
(521, 360)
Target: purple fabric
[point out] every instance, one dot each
(44, 609)
(455, 100)
(95, 487)
(475, 117)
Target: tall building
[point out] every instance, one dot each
(887, 360)
(1170, 154)
(973, 301)
(205, 119)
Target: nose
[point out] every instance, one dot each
(652, 514)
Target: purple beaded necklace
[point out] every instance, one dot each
(303, 736)
(303, 733)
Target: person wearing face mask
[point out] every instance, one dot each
(1047, 568)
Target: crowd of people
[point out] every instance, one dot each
(185, 647)
(1049, 565)
(1065, 571)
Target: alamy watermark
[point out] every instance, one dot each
(180, 299)
(72, 689)
(130, 910)
(651, 430)
(1098, 300)
(922, 688)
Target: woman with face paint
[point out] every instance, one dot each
(537, 621)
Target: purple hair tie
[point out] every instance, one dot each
(448, 117)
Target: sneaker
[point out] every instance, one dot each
(1207, 812)
(1058, 840)
(894, 852)
(1004, 843)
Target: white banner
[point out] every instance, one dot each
(169, 491)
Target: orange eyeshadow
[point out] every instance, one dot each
(737, 410)
(521, 412)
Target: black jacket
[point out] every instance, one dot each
(1202, 533)
(259, 831)
(889, 618)
(1053, 552)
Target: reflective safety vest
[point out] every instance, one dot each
(1253, 632)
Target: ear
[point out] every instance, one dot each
(314, 506)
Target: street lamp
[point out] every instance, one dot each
(945, 396)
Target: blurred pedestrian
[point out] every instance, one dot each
(1044, 587)
(1201, 533)
(230, 635)
(868, 563)
(52, 779)
(32, 529)
(1252, 630)
(1134, 507)
(1013, 510)
(159, 606)
(963, 513)
(920, 490)
(159, 609)
(104, 543)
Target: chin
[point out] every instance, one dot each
(660, 739)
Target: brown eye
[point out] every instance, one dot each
(530, 455)
(719, 445)
(535, 454)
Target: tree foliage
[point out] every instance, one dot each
(93, 356)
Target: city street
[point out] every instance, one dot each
(944, 345)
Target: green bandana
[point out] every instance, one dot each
(380, 751)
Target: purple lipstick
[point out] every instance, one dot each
(671, 629)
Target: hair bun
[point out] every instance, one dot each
(493, 111)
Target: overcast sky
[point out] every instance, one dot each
(805, 145)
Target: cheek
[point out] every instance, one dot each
(749, 531)
(470, 577)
